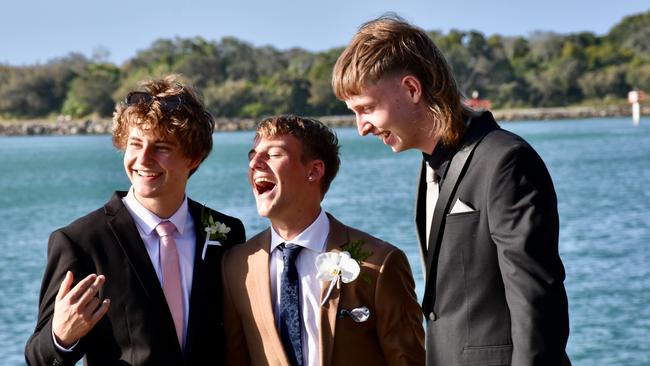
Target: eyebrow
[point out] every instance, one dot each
(268, 147)
(158, 141)
(358, 104)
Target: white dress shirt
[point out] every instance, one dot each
(313, 240)
(146, 222)
(433, 191)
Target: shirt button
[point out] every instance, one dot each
(432, 316)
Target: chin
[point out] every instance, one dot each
(397, 149)
(144, 193)
(262, 210)
(400, 146)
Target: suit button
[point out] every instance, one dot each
(433, 316)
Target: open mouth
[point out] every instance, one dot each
(263, 186)
(383, 135)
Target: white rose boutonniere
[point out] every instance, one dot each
(215, 231)
(340, 266)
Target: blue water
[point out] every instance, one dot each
(601, 170)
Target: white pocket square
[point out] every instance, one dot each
(460, 207)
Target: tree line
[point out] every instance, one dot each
(237, 79)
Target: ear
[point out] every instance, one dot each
(413, 87)
(194, 163)
(316, 171)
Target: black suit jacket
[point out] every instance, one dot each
(496, 287)
(138, 328)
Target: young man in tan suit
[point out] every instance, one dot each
(280, 308)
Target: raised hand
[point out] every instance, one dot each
(77, 310)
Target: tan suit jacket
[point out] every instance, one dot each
(392, 335)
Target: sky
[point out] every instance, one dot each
(35, 31)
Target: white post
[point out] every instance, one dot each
(636, 113)
(633, 97)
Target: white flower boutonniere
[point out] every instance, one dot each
(215, 231)
(340, 266)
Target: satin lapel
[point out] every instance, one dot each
(337, 237)
(420, 215)
(258, 283)
(127, 236)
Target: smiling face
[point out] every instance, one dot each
(393, 110)
(158, 170)
(286, 188)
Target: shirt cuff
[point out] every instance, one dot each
(61, 348)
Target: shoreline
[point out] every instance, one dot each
(103, 126)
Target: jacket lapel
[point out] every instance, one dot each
(420, 214)
(258, 282)
(199, 296)
(336, 238)
(126, 233)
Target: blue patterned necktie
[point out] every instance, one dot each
(290, 324)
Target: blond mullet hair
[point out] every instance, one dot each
(389, 45)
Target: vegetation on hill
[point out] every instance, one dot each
(240, 80)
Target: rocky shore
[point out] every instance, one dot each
(103, 126)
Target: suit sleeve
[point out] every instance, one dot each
(524, 224)
(236, 347)
(399, 316)
(63, 255)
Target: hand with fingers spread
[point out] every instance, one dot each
(77, 309)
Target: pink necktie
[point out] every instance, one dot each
(171, 275)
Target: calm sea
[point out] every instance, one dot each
(601, 169)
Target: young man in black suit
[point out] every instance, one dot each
(486, 212)
(149, 260)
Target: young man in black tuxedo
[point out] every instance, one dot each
(486, 213)
(137, 281)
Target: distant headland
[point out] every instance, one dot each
(99, 126)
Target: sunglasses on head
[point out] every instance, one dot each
(168, 104)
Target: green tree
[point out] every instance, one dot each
(37, 91)
(91, 91)
(228, 99)
(633, 33)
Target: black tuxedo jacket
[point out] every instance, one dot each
(496, 292)
(138, 328)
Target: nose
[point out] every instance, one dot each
(144, 155)
(363, 127)
(255, 162)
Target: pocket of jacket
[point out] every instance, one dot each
(487, 355)
(462, 216)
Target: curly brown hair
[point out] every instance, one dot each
(389, 45)
(318, 141)
(188, 121)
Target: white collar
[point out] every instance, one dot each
(147, 220)
(314, 237)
